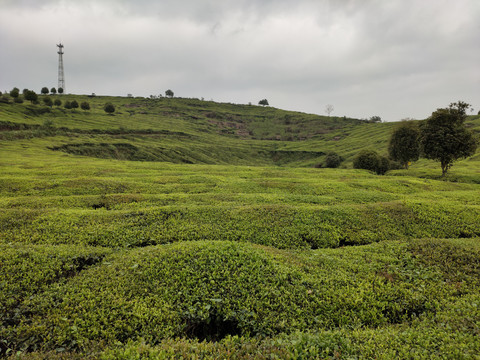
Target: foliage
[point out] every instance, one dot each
(445, 138)
(219, 243)
(329, 109)
(169, 93)
(60, 90)
(31, 96)
(109, 108)
(45, 90)
(333, 160)
(53, 91)
(74, 104)
(85, 106)
(404, 145)
(370, 160)
(263, 102)
(48, 101)
(375, 119)
(57, 102)
(14, 92)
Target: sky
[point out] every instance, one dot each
(390, 58)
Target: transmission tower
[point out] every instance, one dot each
(61, 77)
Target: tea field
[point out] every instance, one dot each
(181, 228)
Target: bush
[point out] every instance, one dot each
(370, 160)
(109, 108)
(333, 160)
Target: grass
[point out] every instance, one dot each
(179, 228)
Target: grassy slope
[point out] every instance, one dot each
(117, 258)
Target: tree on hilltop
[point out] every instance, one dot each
(263, 102)
(53, 91)
(45, 90)
(169, 93)
(445, 138)
(329, 109)
(404, 145)
(31, 96)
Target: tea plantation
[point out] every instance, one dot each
(181, 228)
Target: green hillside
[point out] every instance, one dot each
(181, 228)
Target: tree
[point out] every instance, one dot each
(329, 109)
(375, 119)
(45, 90)
(445, 138)
(67, 105)
(53, 90)
(85, 106)
(169, 93)
(109, 108)
(370, 160)
(263, 102)
(404, 145)
(57, 102)
(74, 104)
(14, 93)
(60, 90)
(31, 96)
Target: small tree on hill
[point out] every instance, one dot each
(263, 102)
(445, 138)
(109, 108)
(85, 106)
(14, 93)
(67, 105)
(57, 102)
(60, 90)
(169, 93)
(45, 90)
(404, 145)
(329, 109)
(31, 96)
(74, 104)
(53, 91)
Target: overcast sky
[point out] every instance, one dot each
(391, 58)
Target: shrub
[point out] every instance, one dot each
(370, 160)
(109, 108)
(333, 160)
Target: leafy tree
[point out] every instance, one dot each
(375, 119)
(370, 160)
(31, 96)
(85, 106)
(263, 102)
(60, 90)
(169, 93)
(329, 109)
(74, 104)
(14, 93)
(404, 145)
(53, 90)
(57, 102)
(48, 101)
(333, 160)
(67, 105)
(45, 90)
(109, 108)
(445, 138)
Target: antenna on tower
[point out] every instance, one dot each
(61, 77)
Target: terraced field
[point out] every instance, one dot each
(183, 228)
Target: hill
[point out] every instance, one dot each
(180, 227)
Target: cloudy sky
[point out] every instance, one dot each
(391, 58)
